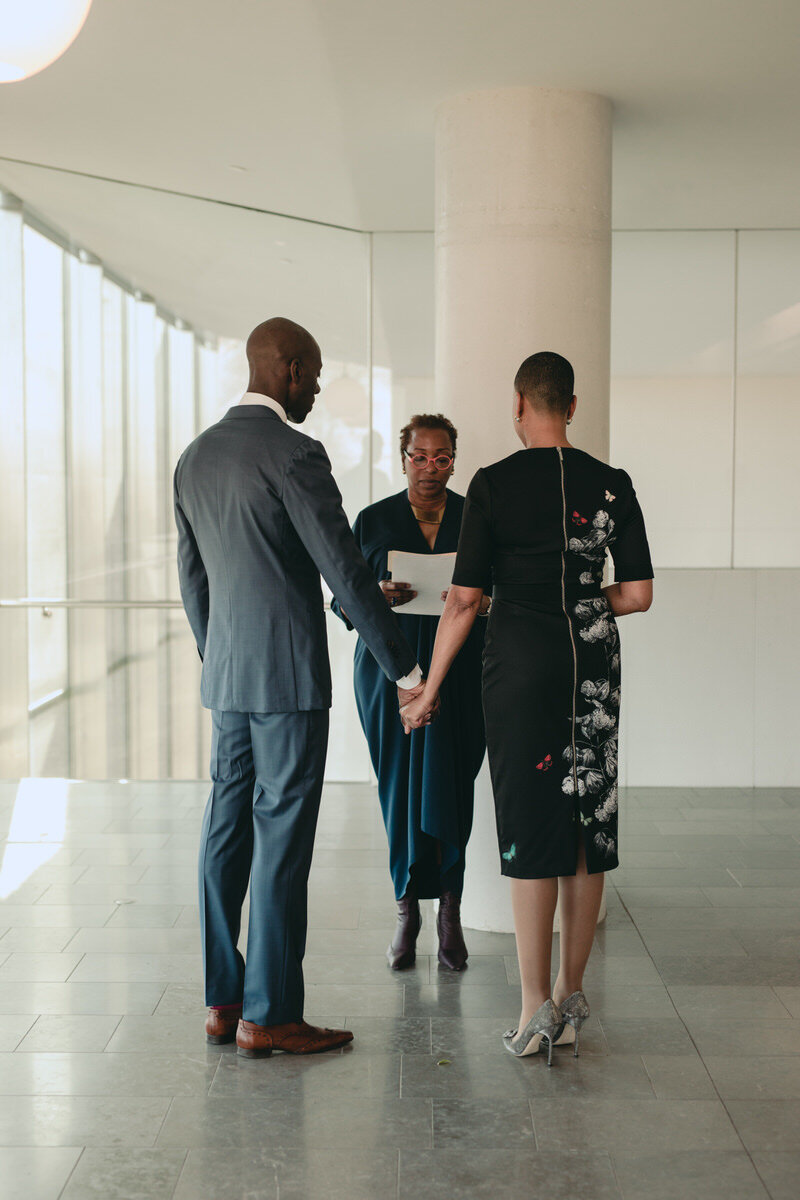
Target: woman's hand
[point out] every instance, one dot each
(396, 593)
(420, 712)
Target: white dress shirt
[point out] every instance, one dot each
(267, 401)
(407, 681)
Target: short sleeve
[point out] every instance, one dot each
(629, 548)
(473, 567)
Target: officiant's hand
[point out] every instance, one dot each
(420, 712)
(396, 593)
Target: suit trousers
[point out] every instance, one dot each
(259, 826)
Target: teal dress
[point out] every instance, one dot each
(425, 779)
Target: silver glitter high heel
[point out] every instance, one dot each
(544, 1023)
(574, 1012)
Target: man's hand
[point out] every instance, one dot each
(420, 712)
(396, 593)
(406, 695)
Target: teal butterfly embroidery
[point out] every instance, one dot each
(508, 855)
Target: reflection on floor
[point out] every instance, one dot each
(688, 1084)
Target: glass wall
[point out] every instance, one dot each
(117, 348)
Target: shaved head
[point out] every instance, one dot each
(278, 340)
(285, 362)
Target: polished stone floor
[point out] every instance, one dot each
(688, 1084)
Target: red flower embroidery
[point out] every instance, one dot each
(577, 519)
(545, 764)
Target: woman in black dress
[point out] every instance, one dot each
(426, 781)
(536, 527)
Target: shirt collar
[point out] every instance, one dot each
(266, 401)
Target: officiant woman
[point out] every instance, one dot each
(425, 779)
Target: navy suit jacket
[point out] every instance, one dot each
(259, 518)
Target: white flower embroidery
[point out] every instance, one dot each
(586, 577)
(605, 843)
(608, 807)
(598, 631)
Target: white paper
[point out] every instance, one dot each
(428, 574)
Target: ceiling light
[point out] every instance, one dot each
(35, 33)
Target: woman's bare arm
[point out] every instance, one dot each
(629, 597)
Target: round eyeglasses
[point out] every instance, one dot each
(442, 462)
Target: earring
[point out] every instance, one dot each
(569, 420)
(517, 418)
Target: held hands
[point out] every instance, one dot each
(396, 593)
(419, 711)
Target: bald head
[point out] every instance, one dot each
(285, 363)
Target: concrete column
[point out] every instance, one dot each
(523, 263)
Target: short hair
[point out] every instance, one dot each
(547, 381)
(427, 421)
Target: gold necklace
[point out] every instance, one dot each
(426, 520)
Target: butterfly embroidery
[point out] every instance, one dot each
(508, 855)
(545, 764)
(577, 519)
(609, 496)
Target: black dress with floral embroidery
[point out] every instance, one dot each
(535, 531)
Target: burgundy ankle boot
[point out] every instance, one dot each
(453, 952)
(402, 952)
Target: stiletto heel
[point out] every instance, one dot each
(574, 1012)
(544, 1023)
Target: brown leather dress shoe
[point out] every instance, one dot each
(221, 1024)
(402, 952)
(453, 952)
(298, 1037)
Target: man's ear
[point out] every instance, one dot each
(295, 370)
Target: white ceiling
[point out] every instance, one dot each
(329, 106)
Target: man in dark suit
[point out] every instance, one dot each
(259, 519)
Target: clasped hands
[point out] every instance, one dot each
(417, 708)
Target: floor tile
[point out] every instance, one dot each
(149, 916)
(125, 1174)
(55, 916)
(71, 997)
(753, 1076)
(13, 1027)
(37, 939)
(727, 1003)
(49, 968)
(704, 1174)
(732, 1038)
(138, 968)
(80, 1121)
(383, 1120)
(790, 998)
(484, 1174)
(505, 1125)
(780, 1173)
(766, 1125)
(84, 1074)
(276, 1173)
(36, 1173)
(315, 1079)
(679, 1077)
(74, 1033)
(616, 1124)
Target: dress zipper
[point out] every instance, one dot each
(569, 625)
